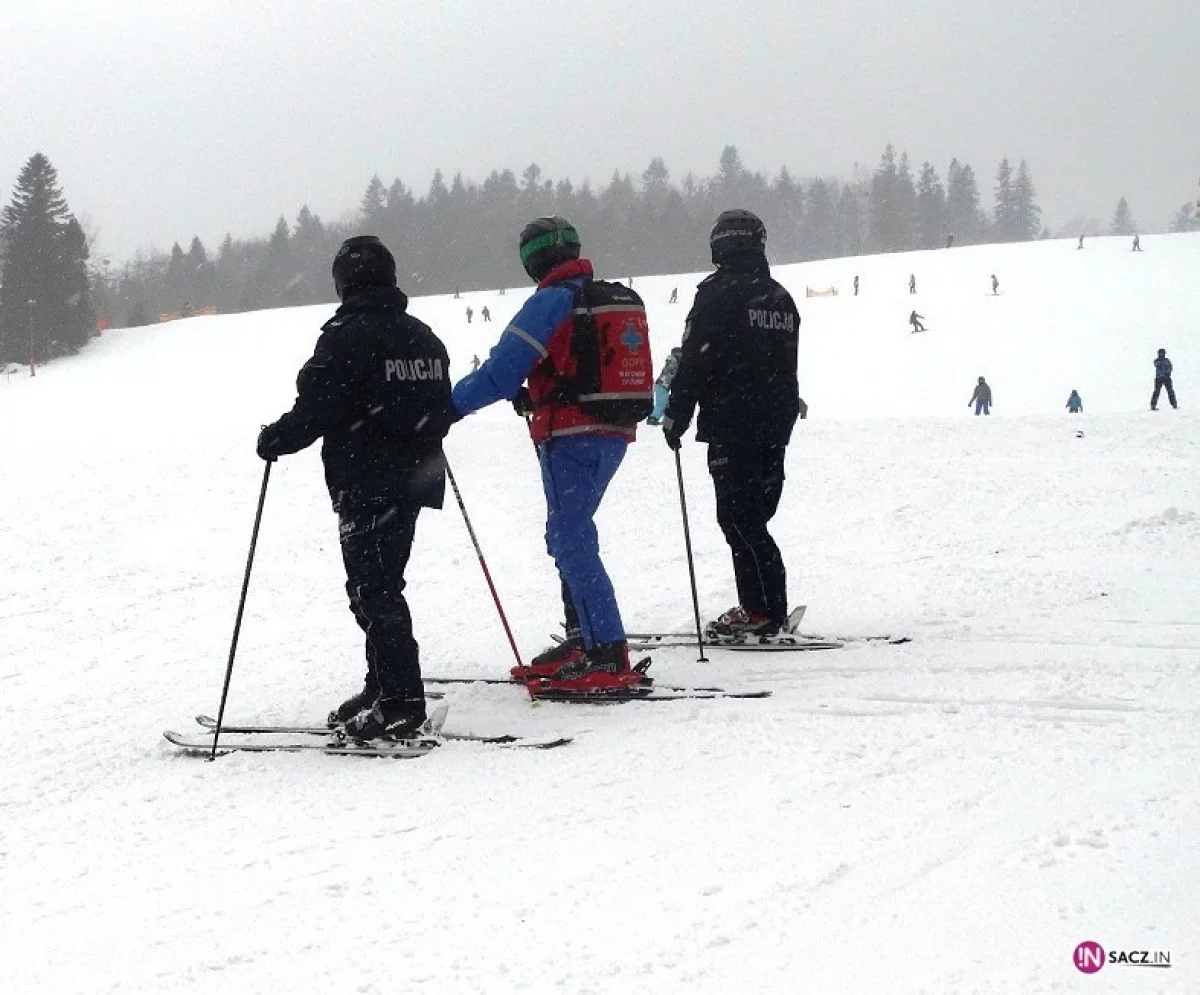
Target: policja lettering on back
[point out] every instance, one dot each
(784, 321)
(427, 368)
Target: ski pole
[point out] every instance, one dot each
(687, 539)
(237, 624)
(487, 574)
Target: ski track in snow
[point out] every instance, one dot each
(949, 815)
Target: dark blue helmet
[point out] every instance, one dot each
(363, 261)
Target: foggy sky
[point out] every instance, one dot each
(171, 119)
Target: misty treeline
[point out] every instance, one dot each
(462, 235)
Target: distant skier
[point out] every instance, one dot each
(995, 285)
(383, 423)
(739, 366)
(1080, 245)
(487, 315)
(855, 284)
(915, 320)
(982, 398)
(1137, 243)
(950, 242)
(912, 283)
(1074, 403)
(1162, 378)
(674, 298)
(662, 386)
(470, 313)
(475, 362)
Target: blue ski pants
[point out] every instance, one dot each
(576, 471)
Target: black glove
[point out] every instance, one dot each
(521, 403)
(270, 443)
(671, 436)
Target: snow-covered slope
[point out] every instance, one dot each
(951, 815)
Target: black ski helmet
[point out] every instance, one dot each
(363, 261)
(736, 231)
(546, 242)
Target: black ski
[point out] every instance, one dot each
(209, 723)
(642, 693)
(783, 642)
(513, 681)
(762, 644)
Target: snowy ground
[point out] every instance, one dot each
(951, 815)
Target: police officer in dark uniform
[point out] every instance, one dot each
(377, 389)
(739, 366)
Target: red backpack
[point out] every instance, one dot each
(606, 369)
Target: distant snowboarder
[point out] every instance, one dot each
(982, 398)
(1080, 245)
(995, 285)
(674, 298)
(1162, 378)
(950, 242)
(1074, 403)
(475, 362)
(470, 313)
(912, 283)
(855, 284)
(1137, 243)
(915, 320)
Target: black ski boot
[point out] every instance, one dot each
(388, 718)
(351, 707)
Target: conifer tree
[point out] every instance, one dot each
(1122, 222)
(1027, 216)
(931, 209)
(820, 223)
(1004, 213)
(964, 220)
(374, 200)
(45, 299)
(893, 203)
(1183, 218)
(851, 238)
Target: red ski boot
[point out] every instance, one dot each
(600, 668)
(549, 662)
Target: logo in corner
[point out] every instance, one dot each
(1089, 957)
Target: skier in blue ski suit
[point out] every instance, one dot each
(578, 455)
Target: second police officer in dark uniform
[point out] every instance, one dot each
(377, 389)
(739, 365)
